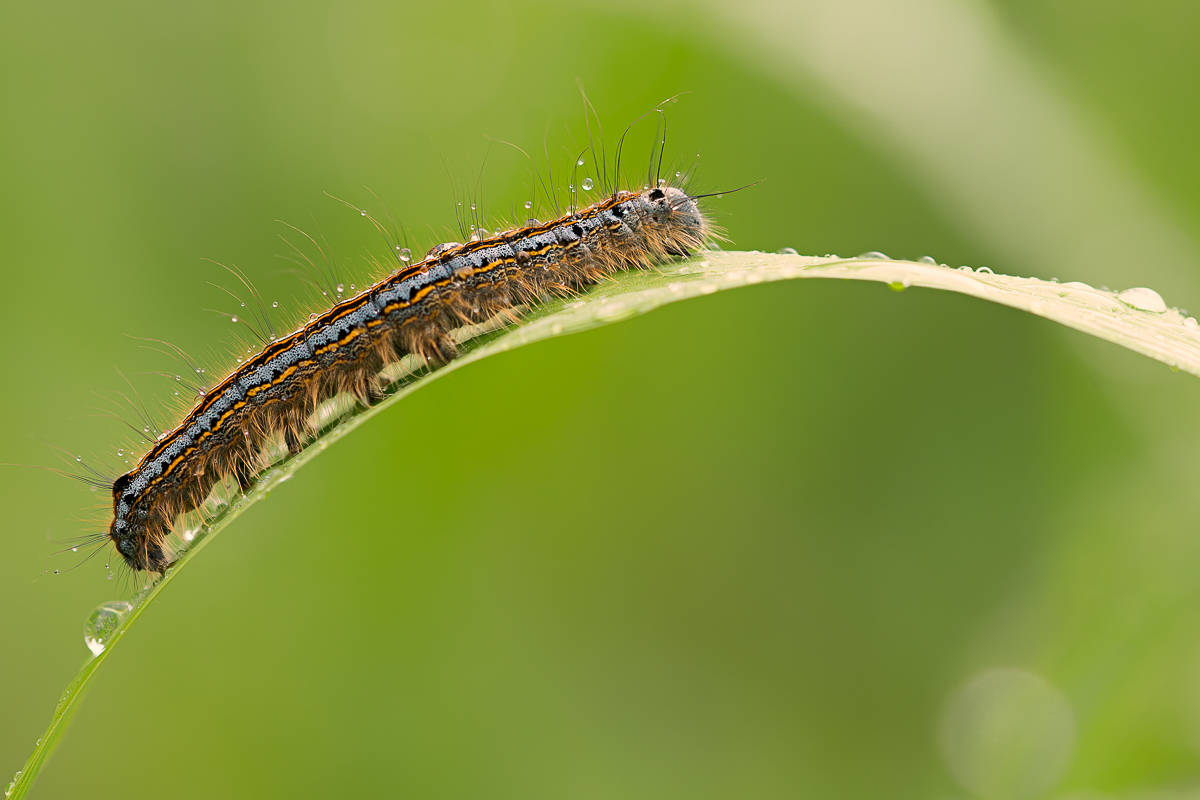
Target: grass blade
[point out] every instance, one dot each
(1137, 319)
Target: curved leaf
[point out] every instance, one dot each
(1137, 319)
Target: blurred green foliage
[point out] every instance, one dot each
(753, 545)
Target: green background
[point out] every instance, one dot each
(751, 545)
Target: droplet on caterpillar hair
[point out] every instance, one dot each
(587, 184)
(528, 204)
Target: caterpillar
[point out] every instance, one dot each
(412, 311)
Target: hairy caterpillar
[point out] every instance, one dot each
(412, 311)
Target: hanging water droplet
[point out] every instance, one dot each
(341, 287)
(587, 184)
(579, 163)
(79, 458)
(274, 304)
(234, 319)
(103, 623)
(529, 204)
(472, 206)
(898, 286)
(364, 213)
(75, 549)
(405, 254)
(1143, 299)
(352, 287)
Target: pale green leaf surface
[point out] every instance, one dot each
(1137, 319)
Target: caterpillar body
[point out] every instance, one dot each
(343, 350)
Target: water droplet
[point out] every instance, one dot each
(79, 458)
(55, 572)
(364, 213)
(74, 549)
(874, 254)
(529, 204)
(405, 254)
(110, 575)
(352, 287)
(587, 184)
(472, 206)
(341, 287)
(928, 260)
(676, 174)
(985, 271)
(898, 286)
(579, 163)
(234, 319)
(146, 429)
(274, 304)
(571, 186)
(1143, 299)
(663, 182)
(178, 377)
(103, 623)
(788, 251)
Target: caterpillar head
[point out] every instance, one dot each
(674, 219)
